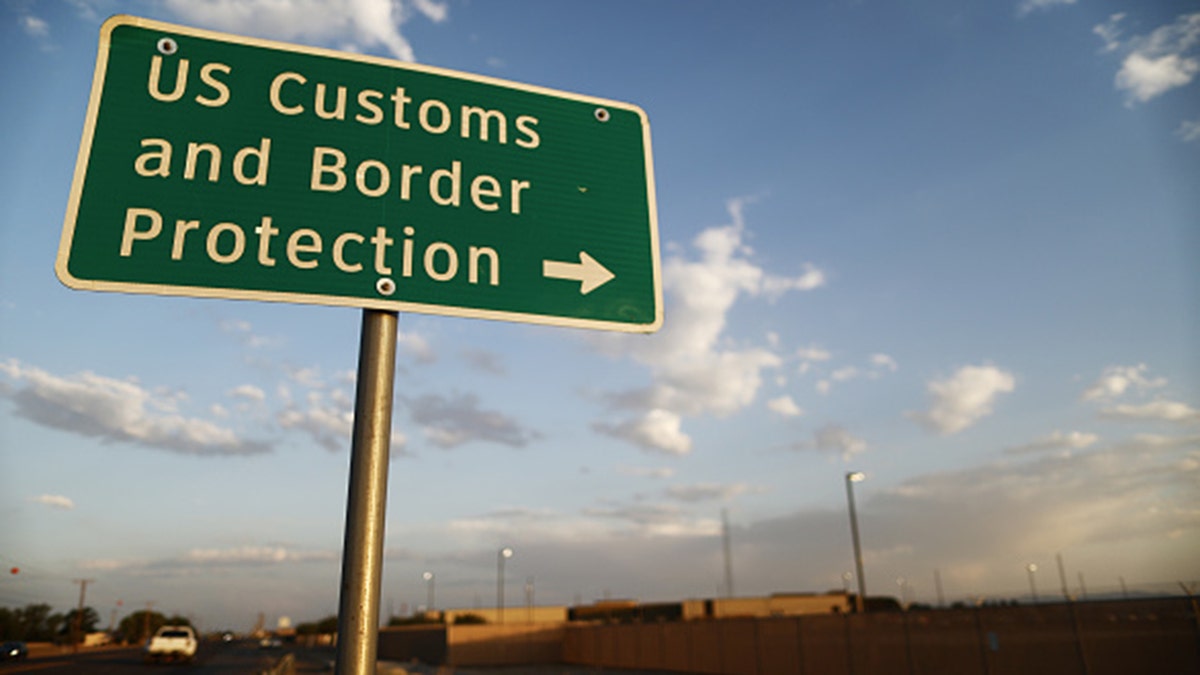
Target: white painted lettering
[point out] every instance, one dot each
(154, 86)
(296, 245)
(277, 85)
(239, 243)
(162, 158)
(132, 234)
(206, 76)
(320, 169)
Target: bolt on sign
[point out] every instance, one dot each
(213, 165)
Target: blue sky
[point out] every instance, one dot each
(951, 246)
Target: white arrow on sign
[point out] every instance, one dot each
(587, 271)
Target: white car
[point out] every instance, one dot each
(172, 643)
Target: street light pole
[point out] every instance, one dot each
(529, 599)
(852, 478)
(504, 554)
(428, 577)
(1031, 568)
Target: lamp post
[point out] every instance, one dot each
(852, 478)
(504, 554)
(428, 577)
(529, 599)
(1031, 568)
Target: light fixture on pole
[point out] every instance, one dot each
(504, 554)
(428, 577)
(1031, 568)
(852, 478)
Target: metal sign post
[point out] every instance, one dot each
(362, 552)
(219, 166)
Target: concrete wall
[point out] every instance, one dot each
(511, 615)
(778, 605)
(473, 645)
(1102, 638)
(425, 642)
(1151, 637)
(496, 645)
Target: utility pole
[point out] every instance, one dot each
(1062, 577)
(937, 583)
(146, 621)
(728, 553)
(77, 624)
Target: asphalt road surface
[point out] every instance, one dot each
(246, 658)
(214, 658)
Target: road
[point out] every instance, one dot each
(214, 658)
(245, 658)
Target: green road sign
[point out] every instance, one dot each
(219, 166)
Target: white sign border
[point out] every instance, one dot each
(85, 149)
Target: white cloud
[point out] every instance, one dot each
(964, 398)
(785, 406)
(835, 439)
(844, 374)
(657, 520)
(1189, 131)
(1160, 411)
(1116, 380)
(251, 555)
(660, 472)
(248, 392)
(329, 423)
(1109, 498)
(449, 422)
(117, 410)
(812, 278)
(355, 25)
(696, 369)
(1074, 440)
(1158, 62)
(1146, 77)
(1027, 6)
(54, 501)
(1110, 32)
(200, 560)
(484, 361)
(706, 492)
(884, 361)
(111, 564)
(306, 377)
(34, 26)
(813, 353)
(415, 346)
(656, 430)
(434, 11)
(880, 365)
(243, 331)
